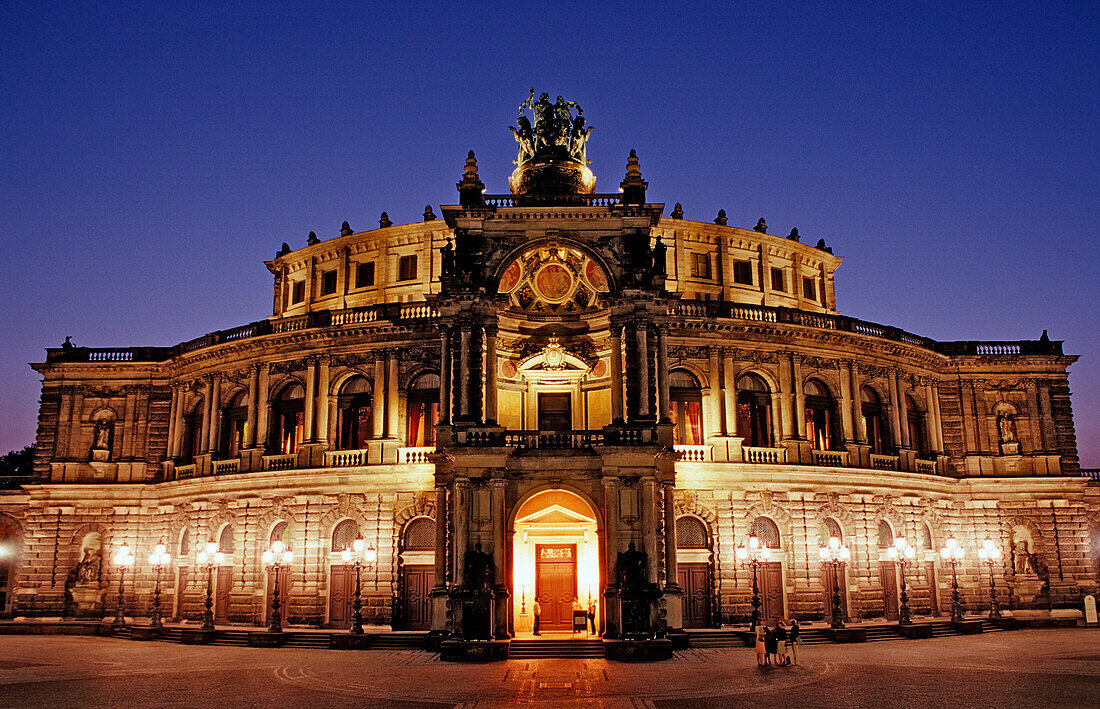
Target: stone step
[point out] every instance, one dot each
(565, 648)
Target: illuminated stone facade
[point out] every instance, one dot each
(553, 378)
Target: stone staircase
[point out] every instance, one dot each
(553, 648)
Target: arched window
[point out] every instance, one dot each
(926, 536)
(766, 531)
(420, 534)
(185, 545)
(885, 535)
(685, 408)
(278, 534)
(225, 541)
(191, 445)
(288, 419)
(820, 416)
(754, 411)
(423, 410)
(691, 533)
(234, 421)
(829, 528)
(354, 414)
(915, 419)
(344, 534)
(873, 421)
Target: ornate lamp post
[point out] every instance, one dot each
(990, 554)
(902, 554)
(159, 560)
(278, 557)
(753, 553)
(837, 554)
(953, 553)
(123, 560)
(209, 557)
(359, 554)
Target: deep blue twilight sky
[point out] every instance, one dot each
(152, 157)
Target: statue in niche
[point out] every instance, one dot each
(88, 570)
(101, 437)
(479, 570)
(1006, 428)
(448, 258)
(631, 569)
(659, 249)
(1023, 560)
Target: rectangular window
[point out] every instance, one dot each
(809, 288)
(364, 275)
(777, 280)
(700, 265)
(742, 272)
(298, 292)
(328, 282)
(406, 268)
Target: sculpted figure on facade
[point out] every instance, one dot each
(1006, 428)
(555, 132)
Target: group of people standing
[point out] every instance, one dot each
(777, 645)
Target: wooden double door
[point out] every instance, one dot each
(556, 584)
(284, 587)
(829, 577)
(770, 576)
(889, 575)
(694, 579)
(417, 606)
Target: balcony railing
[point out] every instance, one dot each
(884, 462)
(185, 472)
(755, 454)
(928, 467)
(693, 454)
(346, 459)
(415, 455)
(227, 467)
(280, 462)
(830, 459)
(498, 201)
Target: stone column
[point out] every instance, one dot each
(641, 331)
(616, 372)
(461, 503)
(445, 376)
(903, 410)
(610, 605)
(207, 400)
(476, 376)
(799, 397)
(500, 602)
(982, 418)
(781, 411)
(392, 400)
(173, 421)
(1046, 422)
(671, 581)
(464, 372)
(1036, 404)
(311, 399)
(378, 393)
(935, 436)
(262, 407)
(857, 404)
(714, 418)
(322, 400)
(729, 388)
(662, 374)
(491, 375)
(895, 422)
(440, 536)
(253, 392)
(649, 526)
(845, 404)
(215, 413)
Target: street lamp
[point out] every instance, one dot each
(953, 553)
(359, 554)
(837, 554)
(990, 554)
(276, 559)
(209, 557)
(159, 560)
(123, 560)
(902, 554)
(753, 553)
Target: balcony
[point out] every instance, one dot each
(830, 459)
(770, 456)
(227, 467)
(884, 462)
(346, 459)
(280, 462)
(693, 454)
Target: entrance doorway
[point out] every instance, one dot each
(694, 580)
(556, 584)
(221, 592)
(889, 590)
(555, 557)
(771, 591)
(418, 608)
(340, 595)
(555, 412)
(828, 577)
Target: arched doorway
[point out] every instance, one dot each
(417, 573)
(9, 554)
(555, 559)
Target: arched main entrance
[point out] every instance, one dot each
(555, 559)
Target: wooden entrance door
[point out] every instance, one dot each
(556, 584)
(555, 412)
(418, 608)
(889, 577)
(930, 582)
(341, 593)
(771, 591)
(828, 574)
(221, 592)
(693, 579)
(284, 586)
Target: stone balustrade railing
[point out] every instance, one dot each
(346, 459)
(415, 455)
(928, 467)
(497, 201)
(693, 454)
(830, 459)
(227, 467)
(884, 462)
(280, 462)
(1092, 474)
(755, 454)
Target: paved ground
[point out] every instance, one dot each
(1028, 668)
